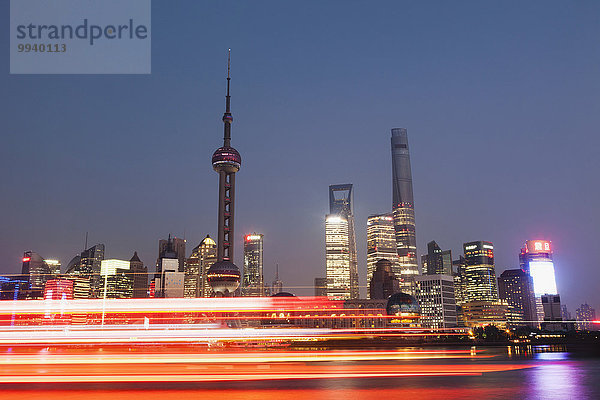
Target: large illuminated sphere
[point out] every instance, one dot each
(223, 277)
(402, 304)
(226, 159)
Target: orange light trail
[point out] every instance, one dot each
(231, 367)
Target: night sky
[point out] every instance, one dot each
(501, 101)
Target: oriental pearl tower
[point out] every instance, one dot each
(224, 276)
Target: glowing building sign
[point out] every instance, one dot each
(542, 273)
(538, 246)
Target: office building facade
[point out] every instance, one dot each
(337, 257)
(479, 272)
(435, 294)
(169, 282)
(139, 275)
(436, 261)
(175, 248)
(253, 281)
(58, 289)
(585, 314)
(384, 282)
(35, 270)
(515, 286)
(197, 265)
(54, 266)
(87, 267)
(117, 281)
(381, 243)
(320, 287)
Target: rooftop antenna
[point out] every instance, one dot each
(86, 240)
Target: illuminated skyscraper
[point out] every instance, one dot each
(224, 275)
(117, 281)
(35, 270)
(54, 266)
(403, 209)
(436, 261)
(381, 244)
(88, 266)
(197, 265)
(536, 259)
(253, 265)
(340, 244)
(337, 257)
(479, 273)
(458, 271)
(193, 275)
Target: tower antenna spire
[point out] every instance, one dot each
(227, 118)
(224, 276)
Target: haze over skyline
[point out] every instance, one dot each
(501, 104)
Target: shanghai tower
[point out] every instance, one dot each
(224, 276)
(403, 210)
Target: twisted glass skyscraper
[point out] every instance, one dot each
(403, 210)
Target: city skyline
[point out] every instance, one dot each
(515, 216)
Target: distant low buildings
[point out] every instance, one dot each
(485, 312)
(13, 288)
(585, 314)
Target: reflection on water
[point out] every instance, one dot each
(557, 380)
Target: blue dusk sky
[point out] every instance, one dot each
(501, 100)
